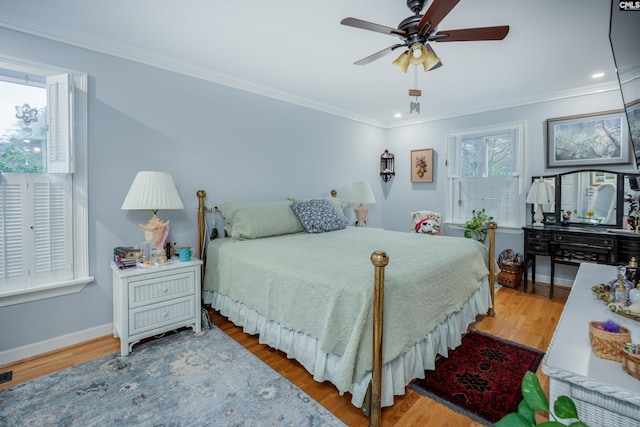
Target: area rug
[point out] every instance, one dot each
(184, 379)
(481, 378)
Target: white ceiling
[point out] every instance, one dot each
(298, 51)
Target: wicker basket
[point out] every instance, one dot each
(510, 275)
(631, 363)
(608, 345)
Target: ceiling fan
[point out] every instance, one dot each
(418, 30)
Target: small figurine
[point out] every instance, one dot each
(566, 217)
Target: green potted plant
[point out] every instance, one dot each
(476, 227)
(533, 400)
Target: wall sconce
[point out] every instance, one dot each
(386, 165)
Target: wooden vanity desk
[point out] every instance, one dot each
(595, 233)
(575, 245)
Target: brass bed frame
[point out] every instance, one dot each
(379, 259)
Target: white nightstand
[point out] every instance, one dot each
(150, 301)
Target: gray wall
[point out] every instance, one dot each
(236, 146)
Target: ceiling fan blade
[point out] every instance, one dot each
(377, 55)
(436, 13)
(366, 25)
(472, 34)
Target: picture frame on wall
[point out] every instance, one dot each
(588, 140)
(422, 165)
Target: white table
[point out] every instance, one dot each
(150, 301)
(604, 394)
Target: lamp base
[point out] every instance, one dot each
(361, 215)
(156, 232)
(538, 217)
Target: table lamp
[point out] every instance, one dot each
(541, 193)
(153, 190)
(361, 193)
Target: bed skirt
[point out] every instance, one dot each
(396, 374)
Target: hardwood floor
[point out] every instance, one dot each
(529, 319)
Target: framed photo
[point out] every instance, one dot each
(588, 140)
(598, 178)
(633, 118)
(422, 165)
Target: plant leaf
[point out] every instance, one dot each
(578, 424)
(526, 411)
(565, 408)
(551, 424)
(513, 420)
(533, 394)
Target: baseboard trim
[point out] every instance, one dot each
(542, 279)
(31, 350)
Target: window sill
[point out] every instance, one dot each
(43, 292)
(511, 229)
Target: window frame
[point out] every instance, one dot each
(453, 144)
(79, 187)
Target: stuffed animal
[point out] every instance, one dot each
(426, 226)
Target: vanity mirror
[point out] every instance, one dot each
(595, 198)
(624, 33)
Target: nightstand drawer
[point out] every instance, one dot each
(159, 315)
(158, 289)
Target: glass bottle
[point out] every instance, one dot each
(620, 286)
(632, 271)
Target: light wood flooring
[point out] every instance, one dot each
(529, 319)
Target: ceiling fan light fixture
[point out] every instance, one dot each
(431, 67)
(418, 53)
(402, 62)
(431, 61)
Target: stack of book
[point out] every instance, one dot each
(126, 256)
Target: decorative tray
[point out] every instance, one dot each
(603, 292)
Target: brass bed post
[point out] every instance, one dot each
(201, 230)
(492, 264)
(379, 259)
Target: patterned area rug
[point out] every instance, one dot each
(179, 380)
(481, 378)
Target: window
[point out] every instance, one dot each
(43, 182)
(484, 172)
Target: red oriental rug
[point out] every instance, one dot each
(480, 378)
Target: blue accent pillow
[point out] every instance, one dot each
(318, 216)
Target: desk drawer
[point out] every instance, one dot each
(538, 248)
(627, 248)
(597, 241)
(544, 236)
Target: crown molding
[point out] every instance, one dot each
(170, 64)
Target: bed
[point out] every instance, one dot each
(366, 309)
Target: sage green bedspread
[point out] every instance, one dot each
(322, 285)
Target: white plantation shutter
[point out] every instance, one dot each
(13, 227)
(471, 183)
(50, 228)
(59, 147)
(36, 231)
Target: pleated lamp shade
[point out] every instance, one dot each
(152, 190)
